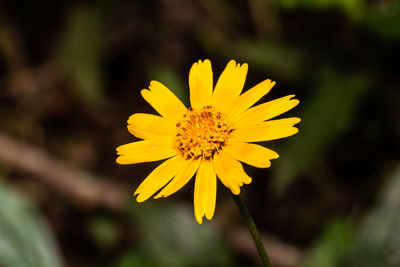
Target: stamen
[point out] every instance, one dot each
(201, 133)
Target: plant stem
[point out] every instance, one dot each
(253, 230)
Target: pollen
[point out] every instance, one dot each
(201, 133)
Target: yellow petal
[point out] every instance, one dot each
(205, 191)
(159, 177)
(145, 151)
(249, 98)
(164, 101)
(265, 131)
(230, 172)
(201, 84)
(265, 111)
(181, 179)
(229, 86)
(252, 154)
(210, 185)
(148, 126)
(197, 203)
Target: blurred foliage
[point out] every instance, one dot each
(375, 244)
(333, 245)
(25, 240)
(328, 113)
(284, 60)
(81, 51)
(383, 19)
(353, 8)
(104, 231)
(137, 258)
(378, 242)
(169, 234)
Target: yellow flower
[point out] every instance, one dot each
(208, 139)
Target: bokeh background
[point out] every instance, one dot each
(71, 74)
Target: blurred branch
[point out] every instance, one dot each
(64, 179)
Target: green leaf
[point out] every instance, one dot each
(25, 241)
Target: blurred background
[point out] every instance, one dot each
(71, 74)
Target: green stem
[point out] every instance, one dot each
(253, 230)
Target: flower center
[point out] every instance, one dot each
(201, 133)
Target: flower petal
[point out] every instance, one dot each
(230, 172)
(145, 151)
(249, 98)
(205, 191)
(265, 111)
(149, 126)
(181, 179)
(229, 86)
(159, 177)
(265, 131)
(252, 154)
(164, 101)
(201, 84)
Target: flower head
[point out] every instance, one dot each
(209, 139)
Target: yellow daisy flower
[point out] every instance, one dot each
(208, 139)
